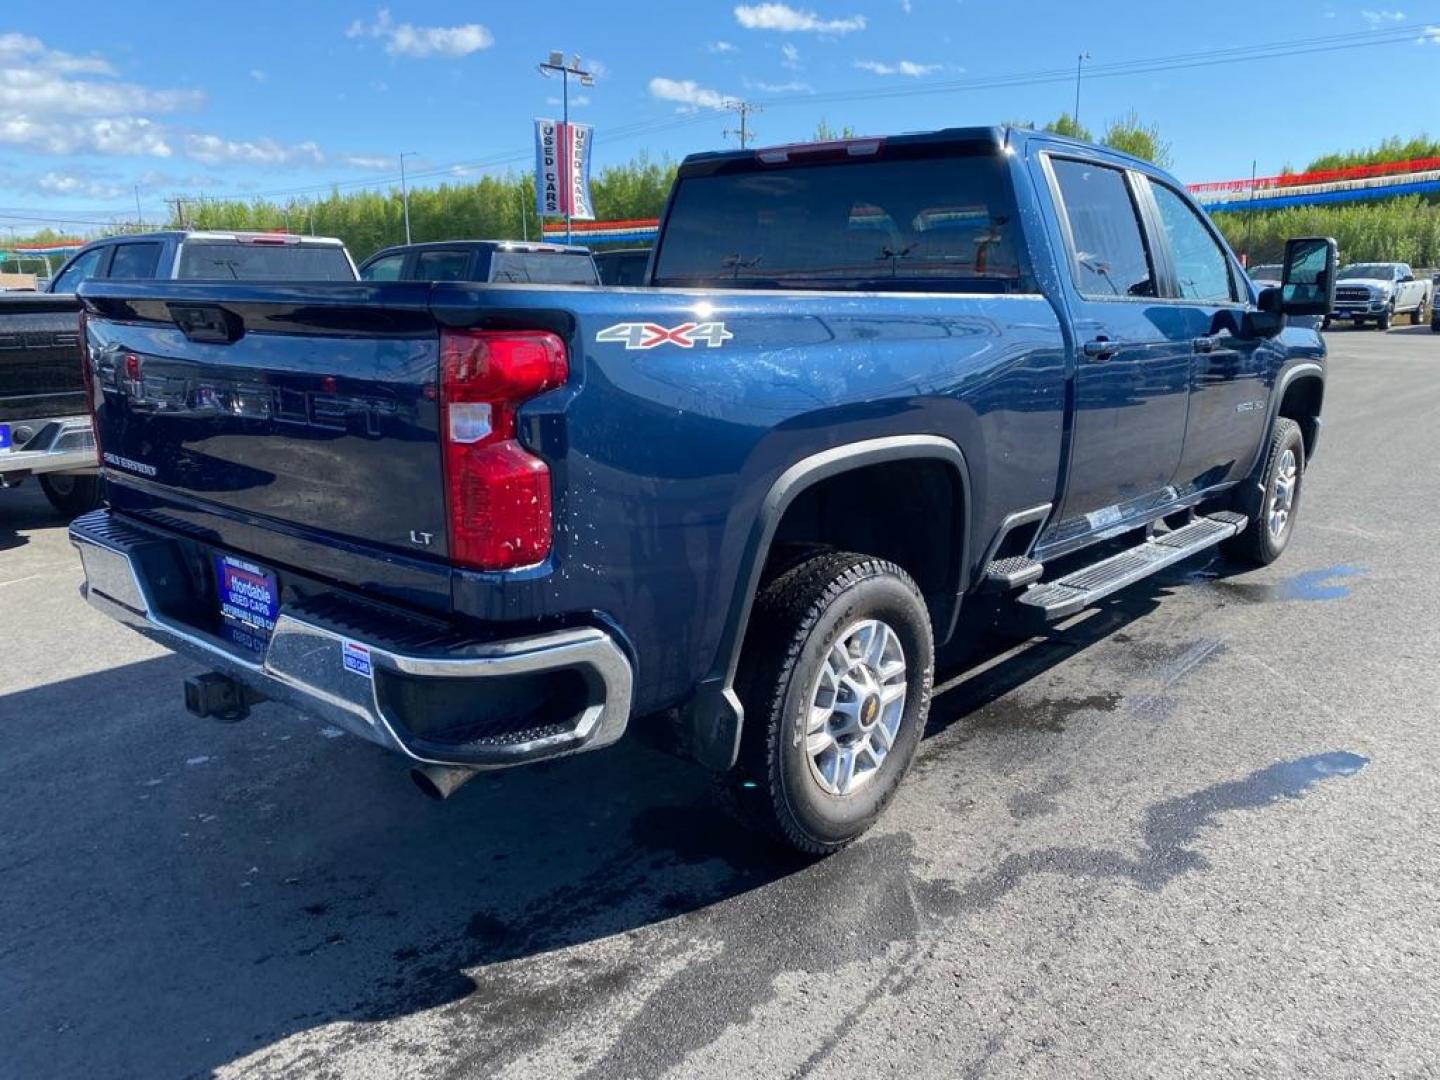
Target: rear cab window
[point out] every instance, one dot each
(543, 267)
(250, 261)
(911, 218)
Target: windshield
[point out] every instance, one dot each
(1383, 271)
(238, 261)
(903, 222)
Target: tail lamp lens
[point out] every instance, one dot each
(498, 497)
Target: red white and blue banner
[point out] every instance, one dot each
(562, 170)
(630, 231)
(1352, 184)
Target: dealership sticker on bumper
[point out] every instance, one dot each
(356, 657)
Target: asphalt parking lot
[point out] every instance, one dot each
(1194, 833)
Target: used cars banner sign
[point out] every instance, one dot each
(562, 170)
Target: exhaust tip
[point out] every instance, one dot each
(439, 782)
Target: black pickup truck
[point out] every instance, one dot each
(45, 429)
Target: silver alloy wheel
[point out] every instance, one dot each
(1282, 495)
(856, 706)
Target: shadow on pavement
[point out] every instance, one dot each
(25, 509)
(180, 894)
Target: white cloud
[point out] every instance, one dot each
(1430, 35)
(367, 161)
(789, 20)
(58, 183)
(905, 6)
(1379, 18)
(214, 150)
(687, 92)
(900, 67)
(575, 99)
(259, 75)
(420, 42)
(119, 135)
(794, 86)
(792, 56)
(40, 81)
(720, 47)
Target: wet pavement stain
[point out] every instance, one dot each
(1170, 827)
(1327, 583)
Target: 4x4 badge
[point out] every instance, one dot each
(638, 335)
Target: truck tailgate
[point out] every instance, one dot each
(286, 420)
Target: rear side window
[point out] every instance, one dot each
(906, 220)
(236, 261)
(1110, 258)
(442, 266)
(1202, 272)
(134, 261)
(543, 267)
(383, 269)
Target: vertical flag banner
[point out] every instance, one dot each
(562, 170)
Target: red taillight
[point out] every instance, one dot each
(497, 492)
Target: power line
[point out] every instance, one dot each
(743, 109)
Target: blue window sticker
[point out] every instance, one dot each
(356, 657)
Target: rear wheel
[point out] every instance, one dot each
(836, 680)
(71, 495)
(1418, 315)
(1271, 502)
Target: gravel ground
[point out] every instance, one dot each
(1191, 834)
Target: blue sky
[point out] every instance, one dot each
(287, 98)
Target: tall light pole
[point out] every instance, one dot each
(1079, 60)
(556, 62)
(405, 192)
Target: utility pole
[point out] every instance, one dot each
(1079, 60)
(556, 62)
(405, 192)
(179, 210)
(1250, 214)
(139, 217)
(743, 109)
(524, 219)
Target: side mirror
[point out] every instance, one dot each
(1308, 284)
(1407, 279)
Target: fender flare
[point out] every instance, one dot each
(1306, 369)
(716, 715)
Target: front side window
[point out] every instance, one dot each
(901, 220)
(1110, 257)
(134, 261)
(1202, 272)
(85, 266)
(385, 268)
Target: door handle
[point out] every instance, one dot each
(1204, 344)
(1100, 349)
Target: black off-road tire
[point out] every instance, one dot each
(72, 495)
(797, 619)
(1259, 545)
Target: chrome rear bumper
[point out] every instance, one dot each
(133, 574)
(66, 444)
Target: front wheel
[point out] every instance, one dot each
(1382, 323)
(71, 495)
(1271, 502)
(835, 679)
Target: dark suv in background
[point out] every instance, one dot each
(501, 261)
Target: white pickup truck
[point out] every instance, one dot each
(1379, 292)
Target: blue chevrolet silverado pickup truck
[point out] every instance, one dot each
(873, 389)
